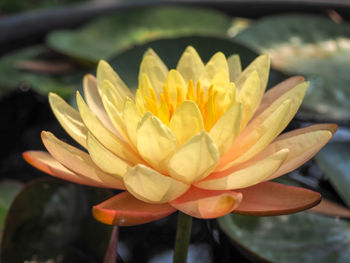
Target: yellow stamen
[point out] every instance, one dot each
(151, 105)
(190, 91)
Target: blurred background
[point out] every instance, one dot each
(49, 45)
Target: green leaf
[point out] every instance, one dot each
(127, 63)
(8, 191)
(334, 161)
(302, 237)
(314, 47)
(11, 76)
(109, 35)
(50, 220)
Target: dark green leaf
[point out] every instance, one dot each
(112, 34)
(334, 161)
(11, 76)
(8, 191)
(52, 220)
(127, 63)
(312, 46)
(302, 237)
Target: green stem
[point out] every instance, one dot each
(183, 235)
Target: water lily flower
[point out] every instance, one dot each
(202, 138)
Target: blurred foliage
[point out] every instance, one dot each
(12, 75)
(8, 191)
(11, 6)
(301, 237)
(334, 160)
(311, 46)
(51, 220)
(109, 35)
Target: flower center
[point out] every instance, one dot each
(211, 103)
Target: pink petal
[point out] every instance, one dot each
(269, 198)
(46, 163)
(125, 210)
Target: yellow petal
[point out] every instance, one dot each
(132, 118)
(106, 72)
(104, 136)
(226, 129)
(216, 64)
(154, 68)
(78, 161)
(249, 96)
(195, 160)
(261, 65)
(190, 65)
(277, 91)
(94, 101)
(255, 137)
(150, 186)
(155, 141)
(302, 144)
(113, 104)
(222, 87)
(296, 96)
(69, 118)
(247, 175)
(234, 66)
(175, 81)
(186, 121)
(104, 159)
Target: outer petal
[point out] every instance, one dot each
(253, 140)
(94, 101)
(226, 129)
(125, 210)
(216, 64)
(155, 69)
(277, 91)
(190, 65)
(105, 159)
(46, 163)
(155, 141)
(186, 121)
(249, 96)
(106, 72)
(302, 144)
(250, 174)
(69, 119)
(78, 161)
(107, 139)
(269, 199)
(150, 186)
(234, 66)
(295, 94)
(261, 65)
(207, 204)
(195, 160)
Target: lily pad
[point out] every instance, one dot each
(127, 63)
(50, 220)
(334, 161)
(13, 76)
(312, 46)
(109, 35)
(302, 237)
(8, 191)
